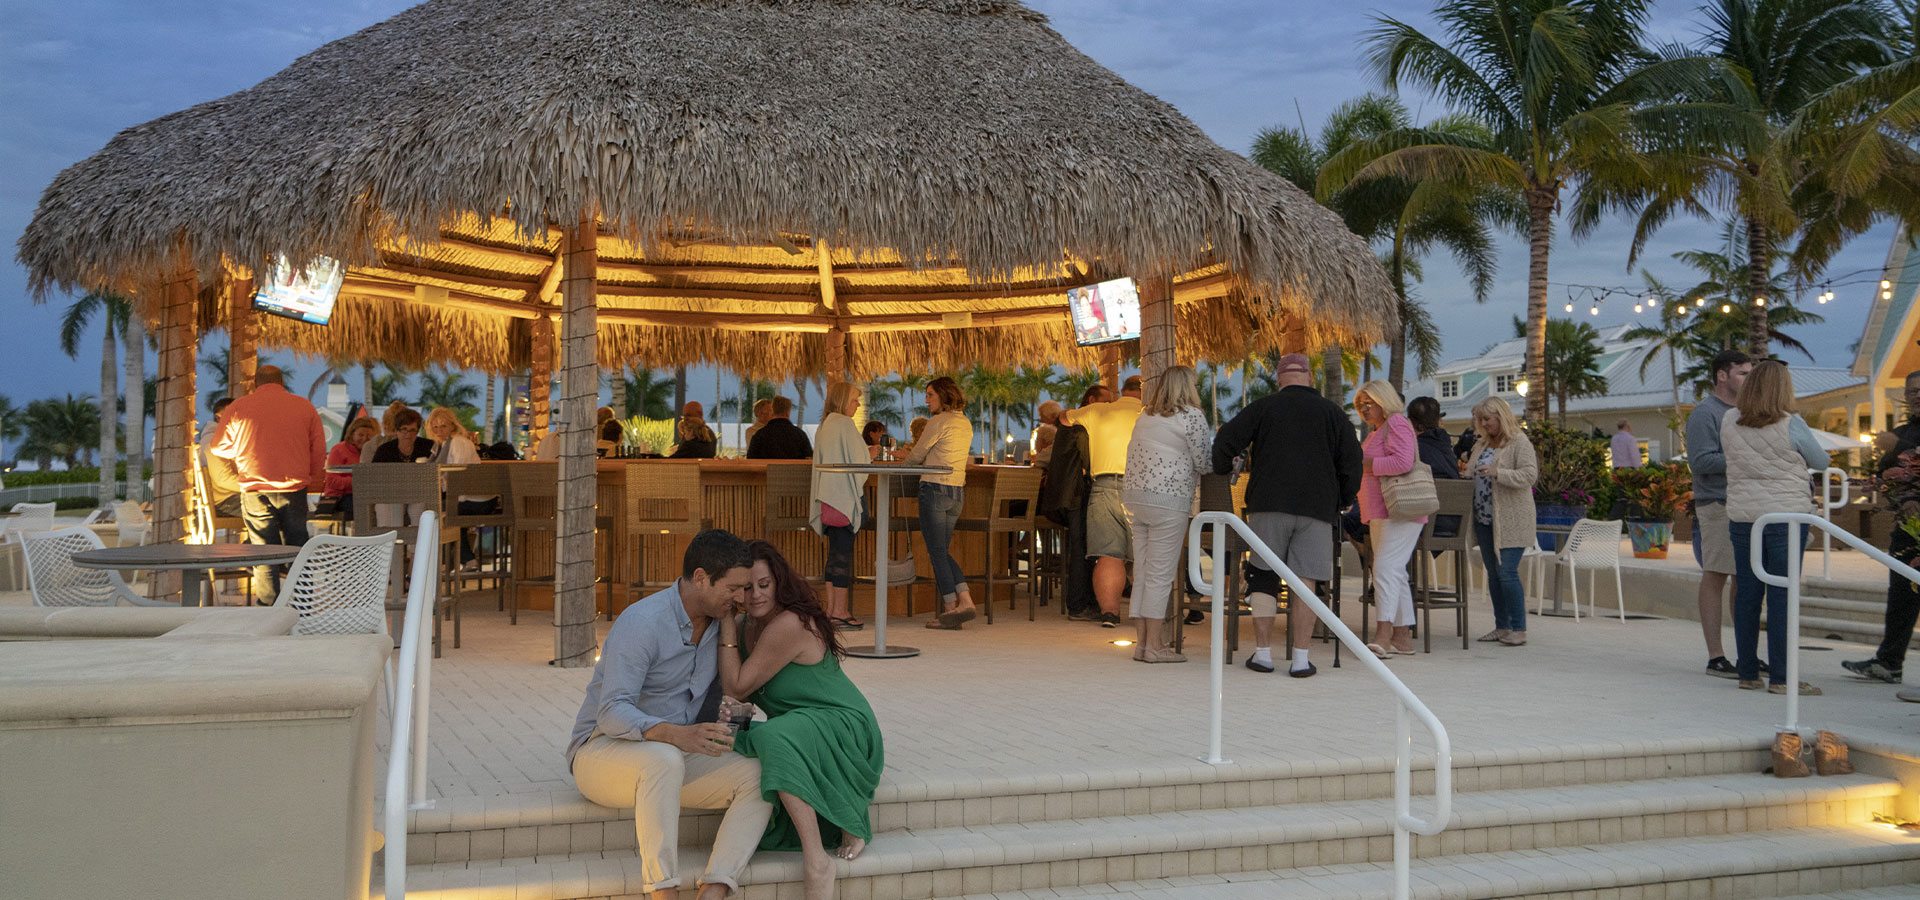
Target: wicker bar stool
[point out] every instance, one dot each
(405, 490)
(663, 497)
(474, 481)
(533, 513)
(1014, 488)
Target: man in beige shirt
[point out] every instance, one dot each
(1109, 532)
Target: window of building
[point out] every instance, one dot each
(1503, 384)
(1449, 389)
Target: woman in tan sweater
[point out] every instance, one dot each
(1504, 470)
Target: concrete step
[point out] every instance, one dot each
(1872, 612)
(1054, 854)
(524, 825)
(1852, 862)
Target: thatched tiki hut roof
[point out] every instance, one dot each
(777, 186)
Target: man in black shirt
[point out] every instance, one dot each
(780, 438)
(1304, 463)
(1903, 599)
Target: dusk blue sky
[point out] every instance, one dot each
(78, 72)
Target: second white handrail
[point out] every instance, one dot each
(1404, 822)
(1791, 581)
(1829, 503)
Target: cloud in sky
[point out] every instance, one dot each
(79, 72)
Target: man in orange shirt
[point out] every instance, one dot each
(276, 442)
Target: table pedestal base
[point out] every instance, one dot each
(893, 651)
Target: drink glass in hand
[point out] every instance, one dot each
(735, 714)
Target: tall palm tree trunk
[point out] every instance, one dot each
(1397, 349)
(679, 390)
(1330, 361)
(109, 383)
(1540, 204)
(618, 400)
(1759, 262)
(133, 340)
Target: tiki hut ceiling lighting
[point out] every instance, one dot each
(761, 171)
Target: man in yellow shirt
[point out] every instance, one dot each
(1109, 532)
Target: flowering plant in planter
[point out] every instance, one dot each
(1572, 465)
(1655, 493)
(1899, 486)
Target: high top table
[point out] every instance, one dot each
(883, 492)
(192, 560)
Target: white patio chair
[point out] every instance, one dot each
(56, 581)
(1593, 545)
(135, 528)
(94, 517)
(33, 517)
(339, 585)
(1535, 561)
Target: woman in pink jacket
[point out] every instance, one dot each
(1392, 449)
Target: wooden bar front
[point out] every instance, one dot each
(734, 497)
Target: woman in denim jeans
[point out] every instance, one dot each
(946, 442)
(1504, 470)
(1769, 450)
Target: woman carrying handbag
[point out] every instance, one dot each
(1392, 466)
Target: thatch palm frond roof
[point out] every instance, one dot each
(955, 155)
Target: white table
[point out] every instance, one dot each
(883, 492)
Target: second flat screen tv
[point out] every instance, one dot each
(306, 295)
(1105, 312)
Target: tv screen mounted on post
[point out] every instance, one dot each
(307, 295)
(1105, 312)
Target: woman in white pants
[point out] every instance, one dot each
(1171, 448)
(1392, 449)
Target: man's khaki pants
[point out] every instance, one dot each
(656, 779)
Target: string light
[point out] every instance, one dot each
(1726, 307)
(1885, 284)
(1759, 301)
(1638, 307)
(1569, 307)
(1680, 309)
(1700, 301)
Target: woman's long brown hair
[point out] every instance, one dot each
(792, 593)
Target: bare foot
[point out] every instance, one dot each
(820, 873)
(850, 847)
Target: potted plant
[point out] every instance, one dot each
(1572, 464)
(1654, 495)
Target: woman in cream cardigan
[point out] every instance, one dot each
(839, 498)
(1504, 470)
(1769, 450)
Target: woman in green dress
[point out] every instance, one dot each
(820, 750)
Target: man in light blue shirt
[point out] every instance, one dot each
(636, 743)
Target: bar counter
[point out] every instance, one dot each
(734, 496)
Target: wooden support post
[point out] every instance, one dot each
(573, 608)
(243, 358)
(173, 428)
(1110, 367)
(540, 379)
(1159, 337)
(836, 355)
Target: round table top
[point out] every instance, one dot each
(185, 556)
(885, 469)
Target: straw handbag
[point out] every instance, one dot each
(1410, 496)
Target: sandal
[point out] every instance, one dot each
(1754, 685)
(938, 625)
(1514, 639)
(1379, 651)
(1806, 690)
(953, 617)
(849, 623)
(1494, 636)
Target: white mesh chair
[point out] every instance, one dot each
(1592, 545)
(135, 528)
(32, 517)
(339, 585)
(94, 517)
(56, 581)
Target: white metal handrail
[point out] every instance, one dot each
(1404, 822)
(407, 755)
(1791, 581)
(1829, 503)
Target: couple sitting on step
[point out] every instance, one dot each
(647, 735)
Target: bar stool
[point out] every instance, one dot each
(533, 504)
(1456, 500)
(1218, 493)
(1014, 488)
(413, 488)
(663, 497)
(480, 480)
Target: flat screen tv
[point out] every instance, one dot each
(1105, 312)
(307, 295)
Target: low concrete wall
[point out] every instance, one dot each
(242, 767)
(40, 623)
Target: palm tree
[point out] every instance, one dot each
(9, 424)
(1407, 217)
(906, 384)
(488, 417)
(1779, 55)
(449, 389)
(114, 311)
(384, 389)
(220, 362)
(884, 407)
(1069, 386)
(1555, 84)
(1573, 363)
(62, 428)
(133, 341)
(647, 394)
(1724, 322)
